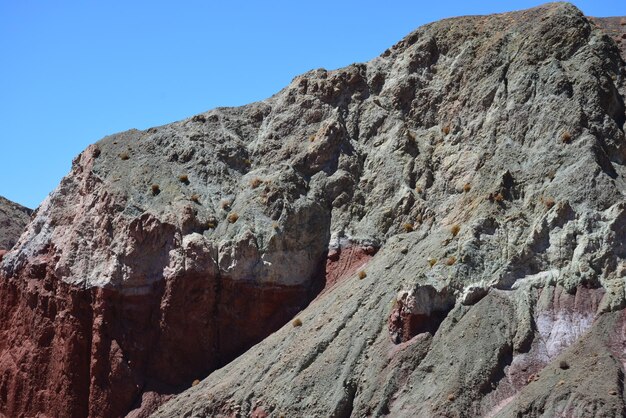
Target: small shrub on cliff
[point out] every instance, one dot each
(566, 137)
(467, 187)
(548, 202)
(496, 197)
(407, 227)
(124, 156)
(296, 322)
(155, 189)
(362, 274)
(432, 261)
(454, 230)
(225, 204)
(446, 129)
(183, 178)
(451, 260)
(233, 217)
(255, 182)
(563, 365)
(195, 382)
(195, 198)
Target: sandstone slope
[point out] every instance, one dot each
(459, 200)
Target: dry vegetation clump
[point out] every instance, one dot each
(195, 198)
(432, 261)
(362, 274)
(451, 260)
(496, 197)
(408, 227)
(124, 156)
(566, 137)
(446, 129)
(255, 182)
(296, 322)
(467, 187)
(455, 229)
(155, 189)
(232, 217)
(548, 202)
(183, 178)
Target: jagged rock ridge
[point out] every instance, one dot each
(459, 197)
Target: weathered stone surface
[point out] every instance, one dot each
(13, 220)
(615, 27)
(458, 201)
(509, 277)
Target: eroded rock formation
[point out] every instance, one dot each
(445, 223)
(13, 220)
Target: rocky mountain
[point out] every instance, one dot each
(615, 27)
(437, 232)
(13, 220)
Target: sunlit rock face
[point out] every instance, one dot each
(13, 220)
(437, 232)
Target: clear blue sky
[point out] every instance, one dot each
(75, 71)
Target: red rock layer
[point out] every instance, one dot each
(72, 352)
(343, 262)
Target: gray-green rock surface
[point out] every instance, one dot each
(464, 191)
(13, 220)
(499, 140)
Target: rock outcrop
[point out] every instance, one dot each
(444, 224)
(615, 27)
(13, 220)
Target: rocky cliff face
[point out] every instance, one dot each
(13, 220)
(615, 27)
(444, 224)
